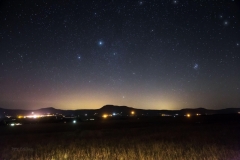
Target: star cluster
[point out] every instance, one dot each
(145, 54)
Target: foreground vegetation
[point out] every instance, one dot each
(185, 141)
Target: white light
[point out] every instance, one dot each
(12, 124)
(74, 121)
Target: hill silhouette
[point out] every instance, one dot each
(120, 110)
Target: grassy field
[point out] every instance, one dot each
(146, 142)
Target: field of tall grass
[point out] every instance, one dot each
(209, 142)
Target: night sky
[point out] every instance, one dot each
(149, 54)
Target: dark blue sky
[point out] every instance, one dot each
(152, 54)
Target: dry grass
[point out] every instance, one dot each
(178, 142)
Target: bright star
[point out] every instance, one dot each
(100, 43)
(195, 66)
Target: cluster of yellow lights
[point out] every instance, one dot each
(35, 116)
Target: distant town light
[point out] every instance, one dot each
(35, 116)
(188, 115)
(132, 112)
(105, 116)
(74, 121)
(15, 124)
(166, 115)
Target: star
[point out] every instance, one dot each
(100, 43)
(79, 57)
(226, 23)
(195, 66)
(175, 1)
